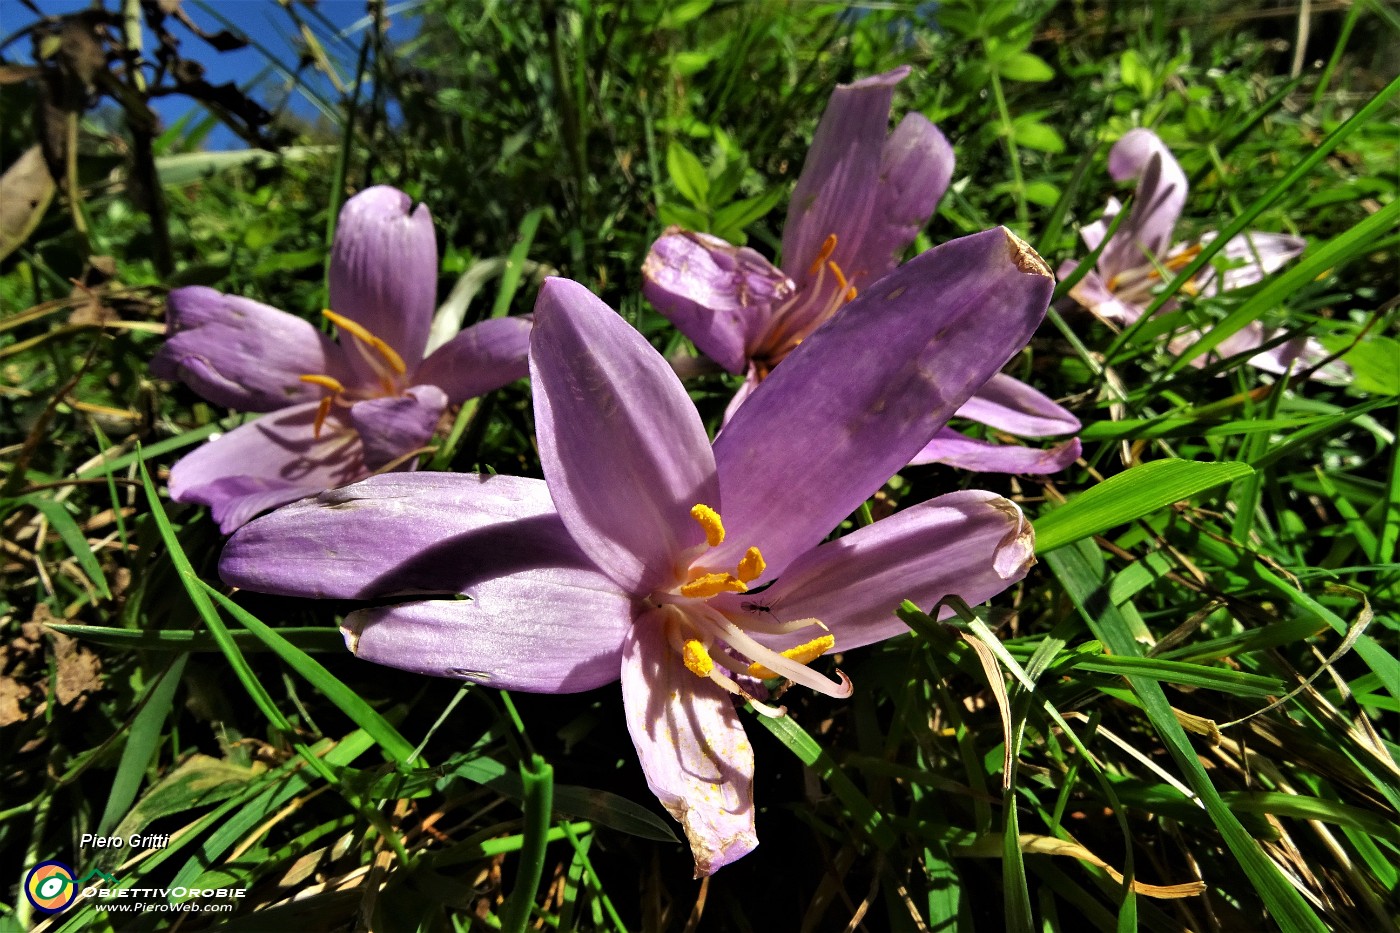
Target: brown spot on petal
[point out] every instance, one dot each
(1026, 258)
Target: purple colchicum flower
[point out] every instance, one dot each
(341, 410)
(861, 199)
(618, 564)
(1133, 264)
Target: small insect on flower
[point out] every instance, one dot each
(755, 607)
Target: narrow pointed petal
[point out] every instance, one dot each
(1093, 233)
(916, 166)
(972, 544)
(240, 353)
(1008, 404)
(692, 747)
(541, 632)
(720, 296)
(406, 534)
(1157, 204)
(621, 443)
(269, 462)
(1093, 294)
(841, 182)
(1296, 354)
(957, 450)
(480, 359)
(894, 366)
(391, 427)
(1249, 258)
(383, 273)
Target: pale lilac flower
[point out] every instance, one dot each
(1134, 263)
(862, 197)
(340, 410)
(618, 565)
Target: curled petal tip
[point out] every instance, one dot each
(350, 631)
(1015, 554)
(1025, 258)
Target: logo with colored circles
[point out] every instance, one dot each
(50, 886)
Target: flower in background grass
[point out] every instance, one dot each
(863, 196)
(631, 560)
(1134, 263)
(341, 410)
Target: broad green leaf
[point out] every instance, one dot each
(1132, 494)
(735, 217)
(197, 782)
(1026, 66)
(687, 174)
(1036, 135)
(1376, 363)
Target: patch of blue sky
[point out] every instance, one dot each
(270, 69)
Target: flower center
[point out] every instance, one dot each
(386, 363)
(827, 290)
(695, 626)
(1137, 283)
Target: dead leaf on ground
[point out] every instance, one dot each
(26, 189)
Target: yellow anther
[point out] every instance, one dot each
(712, 584)
(710, 521)
(805, 653)
(325, 382)
(322, 410)
(751, 565)
(358, 331)
(840, 276)
(851, 293)
(697, 659)
(1185, 256)
(828, 247)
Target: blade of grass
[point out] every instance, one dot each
(141, 743)
(1081, 571)
(1129, 495)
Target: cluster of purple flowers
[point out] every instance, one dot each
(631, 560)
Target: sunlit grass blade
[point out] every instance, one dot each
(1132, 494)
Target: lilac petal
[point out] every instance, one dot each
(849, 407)
(972, 544)
(916, 166)
(692, 747)
(956, 450)
(841, 181)
(483, 357)
(240, 353)
(620, 441)
(1093, 234)
(1157, 204)
(1093, 294)
(383, 274)
(555, 632)
(1296, 354)
(269, 462)
(408, 534)
(395, 425)
(1008, 404)
(1249, 257)
(720, 296)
